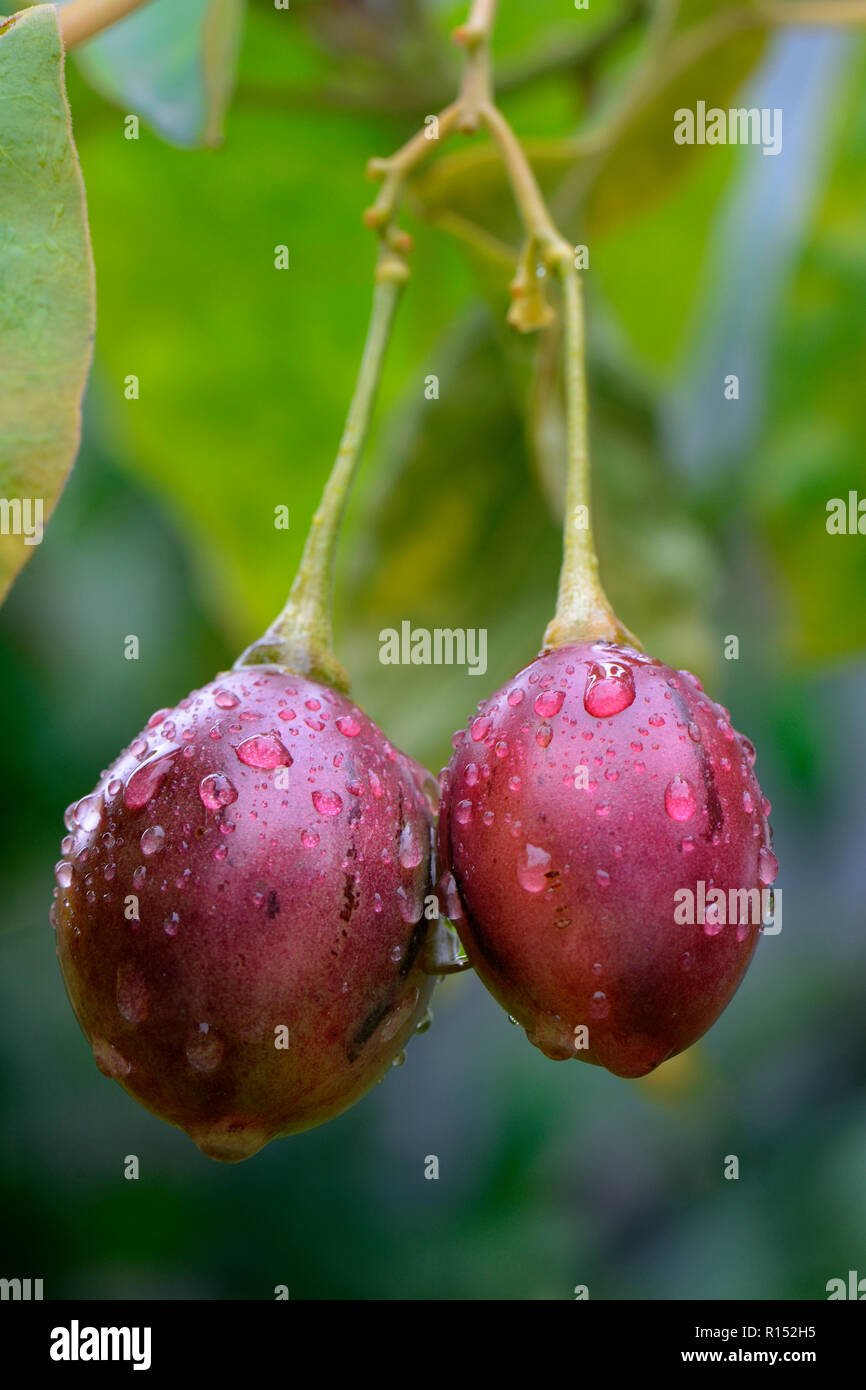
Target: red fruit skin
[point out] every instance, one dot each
(242, 928)
(583, 950)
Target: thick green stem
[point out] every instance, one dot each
(301, 638)
(583, 612)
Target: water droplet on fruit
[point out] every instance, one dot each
(766, 806)
(410, 905)
(532, 867)
(131, 993)
(543, 736)
(480, 728)
(217, 791)
(225, 699)
(327, 803)
(463, 812)
(599, 1005)
(548, 703)
(471, 774)
(349, 726)
(410, 851)
(86, 813)
(138, 748)
(110, 1062)
(748, 803)
(399, 1059)
(602, 877)
(171, 924)
(453, 906)
(63, 873)
(138, 876)
(694, 731)
(204, 1050)
(153, 839)
(425, 1021)
(265, 751)
(725, 729)
(146, 780)
(515, 698)
(609, 689)
(114, 786)
(768, 866)
(309, 839)
(680, 800)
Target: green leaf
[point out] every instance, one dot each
(46, 283)
(171, 63)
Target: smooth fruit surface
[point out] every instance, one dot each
(583, 808)
(240, 909)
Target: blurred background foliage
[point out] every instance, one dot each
(711, 519)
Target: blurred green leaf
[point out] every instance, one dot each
(46, 283)
(812, 451)
(172, 64)
(245, 370)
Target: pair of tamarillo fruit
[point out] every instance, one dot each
(249, 905)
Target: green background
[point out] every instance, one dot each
(711, 522)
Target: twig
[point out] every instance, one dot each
(84, 18)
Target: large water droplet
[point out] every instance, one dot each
(410, 850)
(680, 799)
(327, 803)
(110, 1062)
(471, 774)
(768, 866)
(543, 735)
(549, 703)
(225, 699)
(217, 791)
(264, 750)
(146, 780)
(204, 1050)
(532, 867)
(63, 873)
(86, 813)
(609, 688)
(153, 839)
(309, 839)
(480, 728)
(132, 997)
(348, 726)
(515, 697)
(463, 812)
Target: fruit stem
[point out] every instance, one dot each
(81, 19)
(583, 611)
(301, 638)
